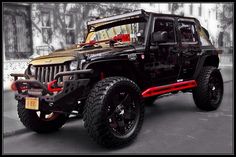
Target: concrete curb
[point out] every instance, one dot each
(25, 130)
(16, 132)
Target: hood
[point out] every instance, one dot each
(59, 57)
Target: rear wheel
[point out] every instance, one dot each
(114, 111)
(40, 121)
(209, 91)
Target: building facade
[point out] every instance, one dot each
(35, 29)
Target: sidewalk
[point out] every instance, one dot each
(226, 60)
(12, 124)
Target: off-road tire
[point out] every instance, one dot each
(202, 93)
(95, 118)
(32, 121)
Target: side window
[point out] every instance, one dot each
(165, 25)
(187, 32)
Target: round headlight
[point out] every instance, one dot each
(73, 65)
(32, 70)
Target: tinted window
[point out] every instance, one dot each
(187, 31)
(164, 25)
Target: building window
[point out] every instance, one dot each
(191, 9)
(16, 32)
(70, 29)
(169, 6)
(216, 13)
(46, 27)
(200, 10)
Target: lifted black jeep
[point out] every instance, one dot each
(126, 60)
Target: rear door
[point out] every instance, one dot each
(189, 47)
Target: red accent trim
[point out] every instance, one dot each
(169, 88)
(53, 89)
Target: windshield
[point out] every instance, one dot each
(128, 31)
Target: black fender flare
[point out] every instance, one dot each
(200, 64)
(119, 62)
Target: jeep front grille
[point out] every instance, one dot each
(46, 74)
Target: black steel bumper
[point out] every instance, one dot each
(33, 88)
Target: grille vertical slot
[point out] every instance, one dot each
(46, 74)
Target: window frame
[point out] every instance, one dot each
(192, 22)
(166, 19)
(43, 11)
(70, 28)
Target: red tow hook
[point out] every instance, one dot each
(53, 89)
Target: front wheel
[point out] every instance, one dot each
(114, 112)
(209, 91)
(40, 121)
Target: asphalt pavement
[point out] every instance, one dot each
(172, 125)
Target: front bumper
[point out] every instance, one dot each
(47, 94)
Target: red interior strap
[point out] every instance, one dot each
(119, 37)
(122, 37)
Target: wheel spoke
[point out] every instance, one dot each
(121, 125)
(113, 123)
(121, 122)
(122, 130)
(129, 114)
(214, 89)
(42, 115)
(126, 100)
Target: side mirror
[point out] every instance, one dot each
(159, 37)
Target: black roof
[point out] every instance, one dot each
(136, 13)
(170, 15)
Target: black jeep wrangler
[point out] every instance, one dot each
(126, 61)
